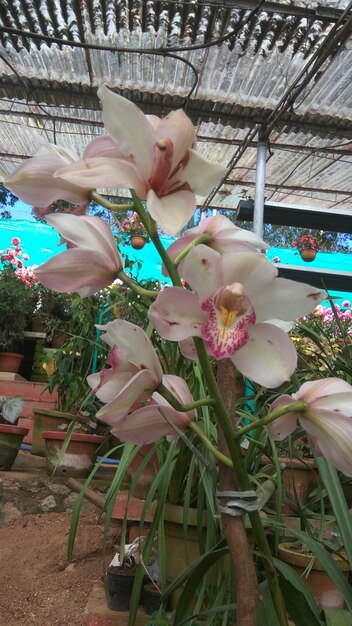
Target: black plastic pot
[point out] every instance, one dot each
(152, 599)
(120, 584)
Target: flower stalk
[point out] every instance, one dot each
(299, 406)
(112, 206)
(242, 478)
(129, 282)
(203, 238)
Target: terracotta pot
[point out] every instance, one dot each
(296, 480)
(44, 420)
(149, 472)
(10, 362)
(11, 438)
(181, 549)
(308, 254)
(59, 340)
(325, 593)
(79, 457)
(138, 242)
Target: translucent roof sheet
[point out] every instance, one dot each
(286, 65)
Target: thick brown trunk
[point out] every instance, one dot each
(233, 527)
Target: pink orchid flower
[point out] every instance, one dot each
(34, 183)
(223, 233)
(236, 306)
(157, 159)
(92, 260)
(135, 371)
(327, 419)
(149, 423)
(134, 375)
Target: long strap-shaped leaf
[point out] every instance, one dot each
(337, 499)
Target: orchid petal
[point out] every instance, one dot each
(139, 388)
(148, 424)
(337, 403)
(133, 344)
(113, 384)
(77, 269)
(178, 245)
(176, 314)
(103, 172)
(178, 387)
(34, 184)
(173, 211)
(200, 174)
(188, 349)
(314, 389)
(268, 358)
(129, 128)
(59, 153)
(177, 127)
(283, 426)
(250, 269)
(86, 232)
(334, 437)
(103, 146)
(202, 270)
(288, 298)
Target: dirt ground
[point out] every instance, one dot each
(38, 586)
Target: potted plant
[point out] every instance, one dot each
(71, 450)
(11, 435)
(318, 581)
(73, 362)
(17, 303)
(52, 314)
(298, 471)
(132, 230)
(120, 576)
(308, 246)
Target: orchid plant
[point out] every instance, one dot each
(227, 308)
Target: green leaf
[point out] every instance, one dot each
(325, 559)
(266, 610)
(297, 584)
(337, 617)
(194, 575)
(337, 499)
(296, 603)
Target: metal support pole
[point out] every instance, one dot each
(258, 216)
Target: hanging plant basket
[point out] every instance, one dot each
(138, 242)
(308, 254)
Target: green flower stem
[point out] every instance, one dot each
(153, 234)
(203, 238)
(110, 205)
(243, 480)
(298, 406)
(204, 439)
(183, 408)
(127, 280)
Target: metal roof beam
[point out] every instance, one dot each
(56, 97)
(278, 187)
(325, 14)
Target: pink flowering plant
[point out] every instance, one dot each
(16, 258)
(306, 241)
(18, 297)
(227, 314)
(130, 226)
